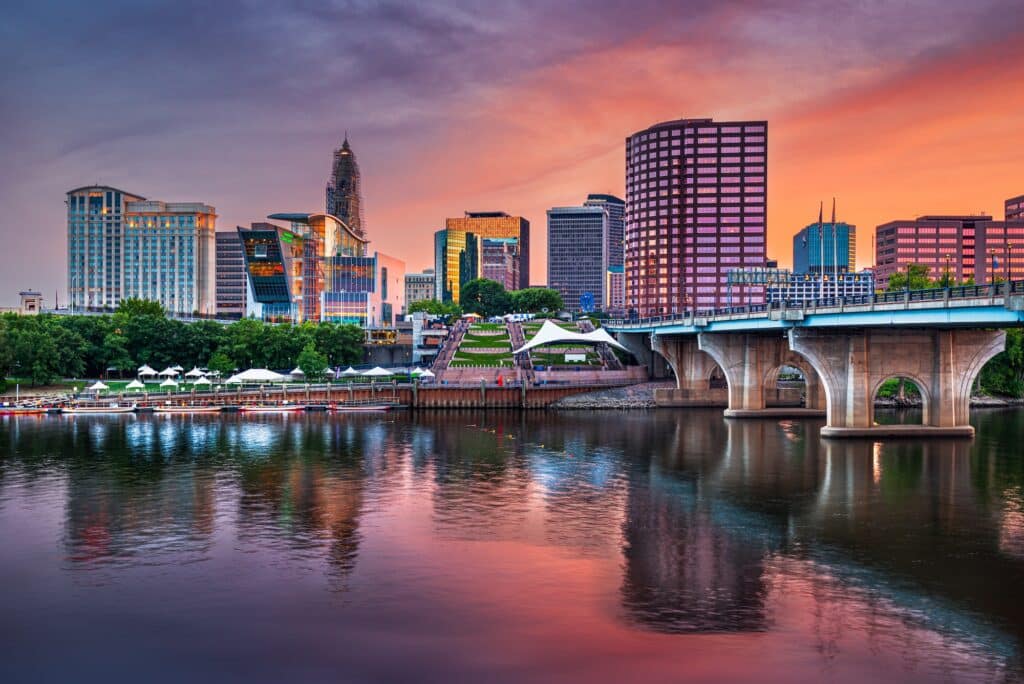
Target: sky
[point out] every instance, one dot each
(896, 108)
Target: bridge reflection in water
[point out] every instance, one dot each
(512, 527)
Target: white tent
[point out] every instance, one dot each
(329, 371)
(169, 382)
(550, 333)
(177, 368)
(426, 374)
(97, 387)
(350, 371)
(135, 385)
(377, 372)
(417, 371)
(257, 375)
(202, 381)
(168, 372)
(146, 370)
(194, 373)
(298, 371)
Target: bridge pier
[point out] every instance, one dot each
(693, 369)
(751, 363)
(639, 345)
(853, 364)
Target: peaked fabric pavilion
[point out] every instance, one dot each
(169, 372)
(257, 375)
(350, 371)
(203, 381)
(135, 385)
(97, 387)
(146, 370)
(378, 372)
(194, 373)
(550, 333)
(169, 382)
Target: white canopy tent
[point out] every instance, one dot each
(417, 371)
(329, 371)
(145, 370)
(426, 374)
(298, 372)
(135, 385)
(168, 372)
(97, 387)
(194, 373)
(169, 382)
(202, 381)
(377, 372)
(177, 368)
(256, 375)
(550, 333)
(350, 371)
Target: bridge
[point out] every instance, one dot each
(845, 349)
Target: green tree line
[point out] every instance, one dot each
(45, 348)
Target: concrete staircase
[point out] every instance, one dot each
(448, 349)
(608, 357)
(523, 361)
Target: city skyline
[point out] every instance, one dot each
(428, 125)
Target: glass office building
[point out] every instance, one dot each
(578, 254)
(230, 275)
(835, 243)
(121, 246)
(457, 250)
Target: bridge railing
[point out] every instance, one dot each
(941, 294)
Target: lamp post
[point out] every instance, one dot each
(1009, 255)
(947, 283)
(991, 266)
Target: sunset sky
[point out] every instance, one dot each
(896, 108)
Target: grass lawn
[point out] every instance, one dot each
(481, 360)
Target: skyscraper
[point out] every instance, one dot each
(458, 255)
(696, 194)
(344, 190)
(230, 275)
(836, 242)
(578, 253)
(616, 221)
(122, 245)
(1013, 209)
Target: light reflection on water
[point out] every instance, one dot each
(506, 546)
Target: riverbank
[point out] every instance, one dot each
(642, 397)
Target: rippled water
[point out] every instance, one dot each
(646, 546)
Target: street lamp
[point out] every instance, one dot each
(1009, 255)
(992, 266)
(947, 283)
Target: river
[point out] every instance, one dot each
(658, 546)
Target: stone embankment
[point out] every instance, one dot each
(630, 397)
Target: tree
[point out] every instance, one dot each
(311, 362)
(341, 344)
(536, 300)
(115, 352)
(221, 363)
(918, 278)
(485, 297)
(435, 308)
(1004, 374)
(141, 307)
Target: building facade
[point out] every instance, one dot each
(578, 254)
(458, 255)
(969, 248)
(831, 244)
(615, 288)
(499, 261)
(230, 278)
(123, 246)
(616, 208)
(1013, 209)
(319, 270)
(696, 201)
(419, 286)
(797, 289)
(344, 190)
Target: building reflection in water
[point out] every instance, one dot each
(708, 525)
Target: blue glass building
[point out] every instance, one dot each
(840, 248)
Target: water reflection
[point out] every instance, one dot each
(642, 525)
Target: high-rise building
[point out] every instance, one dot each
(319, 270)
(122, 245)
(974, 248)
(419, 286)
(615, 286)
(616, 208)
(696, 200)
(578, 254)
(835, 242)
(230, 275)
(344, 190)
(458, 256)
(1013, 209)
(499, 259)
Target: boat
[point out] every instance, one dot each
(186, 409)
(360, 408)
(97, 410)
(289, 408)
(21, 410)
